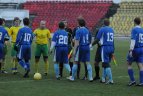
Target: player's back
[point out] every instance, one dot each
(107, 36)
(25, 36)
(3, 34)
(61, 38)
(83, 35)
(137, 35)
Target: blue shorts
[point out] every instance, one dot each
(24, 52)
(82, 54)
(61, 55)
(137, 56)
(1, 51)
(106, 53)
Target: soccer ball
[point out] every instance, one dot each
(37, 76)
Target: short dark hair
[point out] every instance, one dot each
(61, 25)
(1, 21)
(106, 22)
(16, 18)
(137, 21)
(81, 22)
(26, 21)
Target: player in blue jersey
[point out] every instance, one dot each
(3, 38)
(105, 37)
(81, 49)
(136, 52)
(23, 46)
(60, 42)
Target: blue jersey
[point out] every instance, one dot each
(83, 35)
(61, 38)
(106, 36)
(24, 36)
(3, 34)
(137, 35)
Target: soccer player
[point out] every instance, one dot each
(97, 60)
(85, 67)
(43, 37)
(69, 30)
(3, 38)
(105, 37)
(5, 50)
(23, 46)
(82, 50)
(60, 42)
(136, 52)
(13, 34)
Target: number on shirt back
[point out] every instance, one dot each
(110, 37)
(0, 35)
(85, 38)
(140, 38)
(27, 37)
(63, 39)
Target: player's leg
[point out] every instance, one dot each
(37, 57)
(14, 59)
(130, 70)
(78, 70)
(96, 63)
(45, 57)
(75, 65)
(4, 60)
(140, 65)
(61, 69)
(57, 57)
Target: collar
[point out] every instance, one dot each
(137, 26)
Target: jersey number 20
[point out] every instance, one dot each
(63, 39)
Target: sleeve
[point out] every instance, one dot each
(133, 34)
(54, 37)
(77, 35)
(19, 36)
(49, 34)
(99, 34)
(74, 31)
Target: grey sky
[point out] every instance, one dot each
(117, 1)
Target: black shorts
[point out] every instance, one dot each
(98, 55)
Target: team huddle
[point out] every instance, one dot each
(67, 45)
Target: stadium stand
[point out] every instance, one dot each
(122, 21)
(54, 11)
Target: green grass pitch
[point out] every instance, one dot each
(15, 85)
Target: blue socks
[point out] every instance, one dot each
(22, 63)
(56, 68)
(103, 74)
(141, 76)
(109, 73)
(74, 69)
(67, 66)
(89, 68)
(131, 74)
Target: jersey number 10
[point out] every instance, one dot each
(27, 37)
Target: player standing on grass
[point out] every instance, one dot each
(3, 38)
(43, 37)
(97, 60)
(13, 34)
(60, 42)
(105, 37)
(136, 52)
(5, 50)
(69, 30)
(81, 49)
(23, 46)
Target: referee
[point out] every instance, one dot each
(97, 59)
